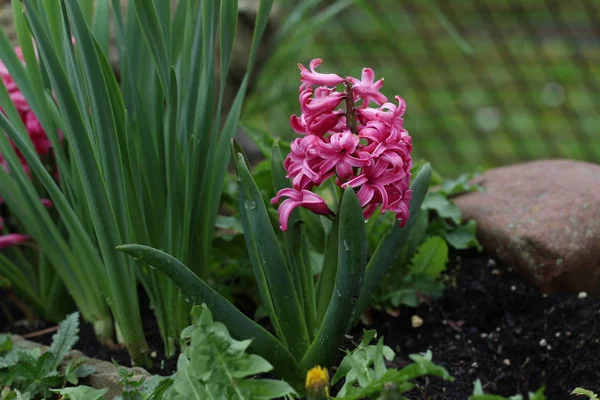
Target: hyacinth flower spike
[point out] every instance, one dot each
(365, 148)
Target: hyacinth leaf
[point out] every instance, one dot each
(299, 265)
(268, 262)
(221, 156)
(391, 245)
(240, 326)
(327, 278)
(352, 259)
(100, 24)
(154, 37)
(37, 218)
(106, 221)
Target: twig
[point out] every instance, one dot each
(43, 332)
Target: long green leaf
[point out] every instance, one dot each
(269, 262)
(391, 245)
(240, 326)
(154, 36)
(352, 260)
(122, 294)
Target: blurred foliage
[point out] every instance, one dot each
(487, 82)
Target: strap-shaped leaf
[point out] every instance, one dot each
(269, 263)
(328, 272)
(240, 326)
(391, 245)
(154, 37)
(352, 259)
(299, 264)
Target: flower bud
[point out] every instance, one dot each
(317, 383)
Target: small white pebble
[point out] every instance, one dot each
(491, 262)
(153, 354)
(457, 336)
(544, 295)
(445, 322)
(495, 272)
(543, 343)
(557, 334)
(513, 288)
(474, 365)
(498, 329)
(582, 295)
(549, 347)
(416, 321)
(469, 341)
(506, 362)
(484, 335)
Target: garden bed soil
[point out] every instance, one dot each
(493, 326)
(490, 325)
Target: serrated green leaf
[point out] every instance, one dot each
(462, 184)
(77, 369)
(66, 337)
(464, 237)
(584, 392)
(216, 366)
(366, 374)
(444, 207)
(19, 396)
(431, 257)
(81, 393)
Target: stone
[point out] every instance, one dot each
(543, 218)
(105, 377)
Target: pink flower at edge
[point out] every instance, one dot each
(367, 89)
(36, 132)
(298, 198)
(313, 77)
(13, 239)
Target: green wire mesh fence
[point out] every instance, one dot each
(487, 82)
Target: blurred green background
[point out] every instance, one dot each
(487, 82)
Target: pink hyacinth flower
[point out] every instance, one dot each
(13, 239)
(313, 77)
(298, 198)
(367, 89)
(341, 153)
(365, 148)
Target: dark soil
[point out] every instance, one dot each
(490, 325)
(493, 326)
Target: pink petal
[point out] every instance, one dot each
(12, 239)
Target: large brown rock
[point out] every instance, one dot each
(543, 218)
